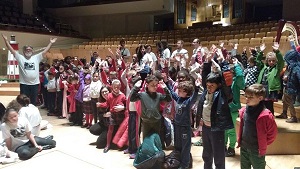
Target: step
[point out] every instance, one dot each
(277, 106)
(9, 91)
(287, 140)
(10, 84)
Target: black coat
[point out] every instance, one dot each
(220, 112)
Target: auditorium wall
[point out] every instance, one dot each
(291, 10)
(104, 25)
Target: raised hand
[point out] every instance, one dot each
(291, 38)
(198, 82)
(165, 77)
(4, 37)
(162, 84)
(53, 40)
(222, 44)
(276, 46)
(119, 108)
(236, 46)
(262, 47)
(138, 83)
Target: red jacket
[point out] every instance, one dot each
(266, 129)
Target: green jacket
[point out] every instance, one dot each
(274, 75)
(237, 85)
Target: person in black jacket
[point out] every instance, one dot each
(215, 116)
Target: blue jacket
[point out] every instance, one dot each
(293, 82)
(183, 107)
(220, 116)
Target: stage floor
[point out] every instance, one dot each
(74, 151)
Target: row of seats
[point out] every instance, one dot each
(151, 40)
(242, 41)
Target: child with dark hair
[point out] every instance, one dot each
(251, 72)
(51, 88)
(185, 99)
(258, 128)
(150, 101)
(28, 111)
(87, 103)
(95, 87)
(213, 108)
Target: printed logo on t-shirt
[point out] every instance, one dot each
(18, 132)
(29, 66)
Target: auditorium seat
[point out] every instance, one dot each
(202, 39)
(274, 28)
(239, 36)
(85, 43)
(204, 43)
(217, 33)
(244, 41)
(92, 43)
(271, 34)
(94, 46)
(97, 43)
(255, 41)
(260, 35)
(267, 40)
(236, 32)
(244, 31)
(225, 33)
(81, 46)
(88, 47)
(249, 35)
(211, 38)
(213, 43)
(101, 46)
(75, 46)
(227, 37)
(265, 29)
(254, 31)
(218, 38)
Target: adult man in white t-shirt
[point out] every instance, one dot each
(124, 52)
(180, 55)
(29, 68)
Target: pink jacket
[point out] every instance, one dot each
(266, 129)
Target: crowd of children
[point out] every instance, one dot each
(138, 96)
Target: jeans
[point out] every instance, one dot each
(30, 91)
(213, 148)
(27, 150)
(51, 101)
(182, 143)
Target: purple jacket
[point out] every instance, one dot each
(79, 94)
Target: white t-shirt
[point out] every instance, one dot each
(166, 55)
(17, 132)
(125, 52)
(32, 114)
(29, 68)
(183, 59)
(95, 89)
(153, 57)
(51, 84)
(146, 60)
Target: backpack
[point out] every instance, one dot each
(151, 114)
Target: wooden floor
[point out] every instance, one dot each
(80, 153)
